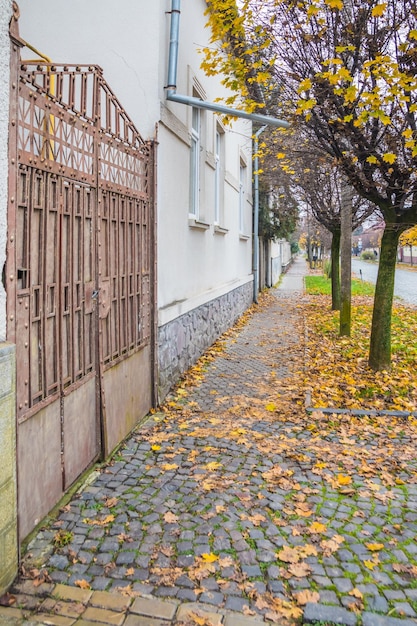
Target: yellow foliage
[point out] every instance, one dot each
(169, 466)
(389, 157)
(374, 547)
(209, 557)
(317, 528)
(379, 9)
(305, 85)
(334, 4)
(213, 465)
(409, 237)
(344, 480)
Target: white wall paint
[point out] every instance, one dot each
(5, 15)
(123, 38)
(129, 40)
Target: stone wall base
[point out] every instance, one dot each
(8, 514)
(182, 341)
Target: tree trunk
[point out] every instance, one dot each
(346, 260)
(335, 271)
(380, 348)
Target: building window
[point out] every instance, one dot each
(242, 195)
(217, 179)
(219, 174)
(195, 163)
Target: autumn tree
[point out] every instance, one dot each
(409, 238)
(317, 182)
(347, 69)
(278, 211)
(311, 178)
(278, 205)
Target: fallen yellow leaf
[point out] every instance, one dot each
(373, 547)
(83, 584)
(170, 518)
(99, 522)
(213, 465)
(209, 557)
(305, 596)
(289, 555)
(317, 528)
(199, 620)
(111, 502)
(300, 570)
(344, 480)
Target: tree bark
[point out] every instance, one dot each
(335, 271)
(380, 348)
(346, 260)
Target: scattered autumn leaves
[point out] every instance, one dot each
(337, 374)
(345, 456)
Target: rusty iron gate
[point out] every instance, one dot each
(80, 277)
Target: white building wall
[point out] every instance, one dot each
(5, 15)
(286, 254)
(113, 35)
(280, 258)
(276, 261)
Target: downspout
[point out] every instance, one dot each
(256, 216)
(171, 88)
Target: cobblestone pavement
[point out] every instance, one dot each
(231, 506)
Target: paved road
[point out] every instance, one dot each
(405, 280)
(293, 280)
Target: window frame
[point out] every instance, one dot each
(243, 168)
(195, 163)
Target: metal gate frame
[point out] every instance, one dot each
(81, 270)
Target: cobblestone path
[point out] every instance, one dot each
(231, 505)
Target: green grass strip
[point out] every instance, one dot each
(322, 286)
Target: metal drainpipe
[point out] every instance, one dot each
(173, 47)
(256, 216)
(171, 93)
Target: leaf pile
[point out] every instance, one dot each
(337, 373)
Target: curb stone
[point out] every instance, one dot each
(70, 606)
